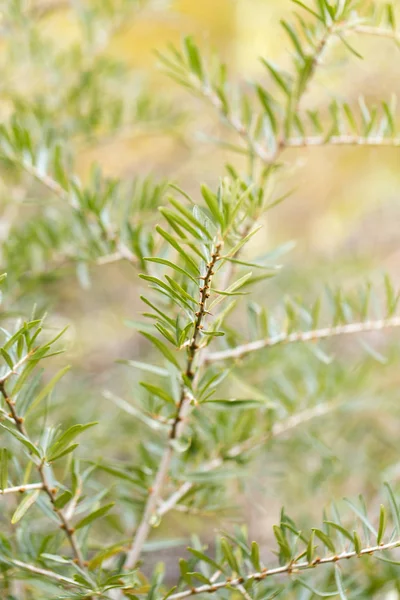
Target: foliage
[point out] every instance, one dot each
(70, 534)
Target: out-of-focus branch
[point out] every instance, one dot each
(303, 336)
(21, 488)
(249, 446)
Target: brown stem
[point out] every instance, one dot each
(156, 490)
(51, 492)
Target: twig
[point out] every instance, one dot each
(290, 568)
(377, 31)
(249, 446)
(21, 488)
(342, 140)
(156, 490)
(303, 336)
(46, 573)
(47, 488)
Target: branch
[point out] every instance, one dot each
(46, 485)
(45, 573)
(289, 569)
(303, 336)
(155, 492)
(342, 140)
(249, 446)
(21, 488)
(377, 31)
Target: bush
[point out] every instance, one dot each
(247, 375)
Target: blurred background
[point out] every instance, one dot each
(93, 67)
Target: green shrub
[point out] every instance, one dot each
(226, 373)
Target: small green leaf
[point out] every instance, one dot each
(162, 348)
(62, 499)
(63, 452)
(97, 514)
(229, 556)
(4, 456)
(325, 539)
(7, 358)
(21, 438)
(357, 542)
(339, 528)
(394, 508)
(48, 388)
(157, 391)
(25, 505)
(382, 525)
(237, 404)
(65, 438)
(168, 263)
(205, 558)
(339, 583)
(193, 56)
(144, 367)
(310, 548)
(255, 556)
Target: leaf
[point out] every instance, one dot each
(48, 388)
(4, 455)
(283, 544)
(382, 525)
(230, 290)
(238, 404)
(28, 501)
(394, 508)
(7, 358)
(162, 348)
(144, 367)
(21, 438)
(157, 391)
(255, 556)
(229, 556)
(212, 203)
(339, 583)
(325, 539)
(97, 514)
(62, 499)
(168, 263)
(357, 542)
(193, 56)
(308, 9)
(310, 548)
(361, 516)
(342, 530)
(63, 452)
(277, 76)
(205, 558)
(65, 438)
(178, 248)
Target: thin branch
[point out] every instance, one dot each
(46, 485)
(377, 31)
(289, 569)
(156, 490)
(45, 573)
(21, 488)
(249, 446)
(342, 140)
(42, 178)
(303, 336)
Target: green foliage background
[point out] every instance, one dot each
(83, 92)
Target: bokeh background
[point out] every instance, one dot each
(343, 215)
